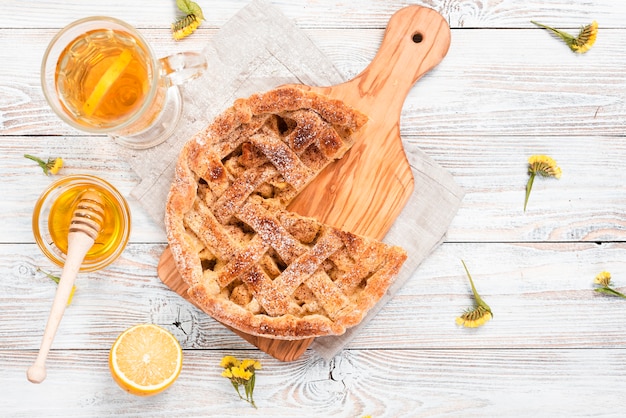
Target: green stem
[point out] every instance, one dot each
(236, 386)
(607, 290)
(479, 300)
(529, 187)
(50, 276)
(563, 35)
(251, 388)
(36, 159)
(39, 161)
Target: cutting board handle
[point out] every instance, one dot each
(415, 41)
(365, 191)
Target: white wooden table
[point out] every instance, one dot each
(505, 91)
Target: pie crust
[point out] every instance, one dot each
(249, 262)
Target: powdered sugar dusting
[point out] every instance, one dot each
(277, 273)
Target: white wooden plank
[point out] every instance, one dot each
(586, 204)
(323, 13)
(23, 181)
(514, 82)
(541, 294)
(496, 82)
(380, 383)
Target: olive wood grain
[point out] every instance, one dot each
(365, 191)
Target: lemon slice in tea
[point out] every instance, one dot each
(145, 360)
(106, 81)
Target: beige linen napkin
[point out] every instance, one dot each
(257, 50)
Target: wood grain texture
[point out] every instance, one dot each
(330, 13)
(519, 82)
(586, 204)
(541, 294)
(466, 382)
(506, 90)
(366, 190)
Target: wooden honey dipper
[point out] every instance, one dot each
(85, 226)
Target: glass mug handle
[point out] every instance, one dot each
(182, 67)
(174, 70)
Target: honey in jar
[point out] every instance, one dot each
(55, 209)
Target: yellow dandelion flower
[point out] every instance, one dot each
(241, 373)
(544, 166)
(229, 361)
(604, 280)
(185, 27)
(586, 38)
(58, 164)
(249, 364)
(581, 43)
(473, 318)
(52, 166)
(192, 18)
(479, 314)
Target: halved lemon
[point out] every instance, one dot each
(145, 359)
(106, 81)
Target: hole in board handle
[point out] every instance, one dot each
(417, 37)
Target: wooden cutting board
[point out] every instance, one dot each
(365, 191)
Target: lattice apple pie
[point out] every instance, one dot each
(248, 261)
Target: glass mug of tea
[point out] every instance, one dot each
(100, 75)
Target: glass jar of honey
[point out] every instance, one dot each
(54, 211)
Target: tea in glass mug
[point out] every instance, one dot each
(100, 75)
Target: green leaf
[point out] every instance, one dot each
(190, 8)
